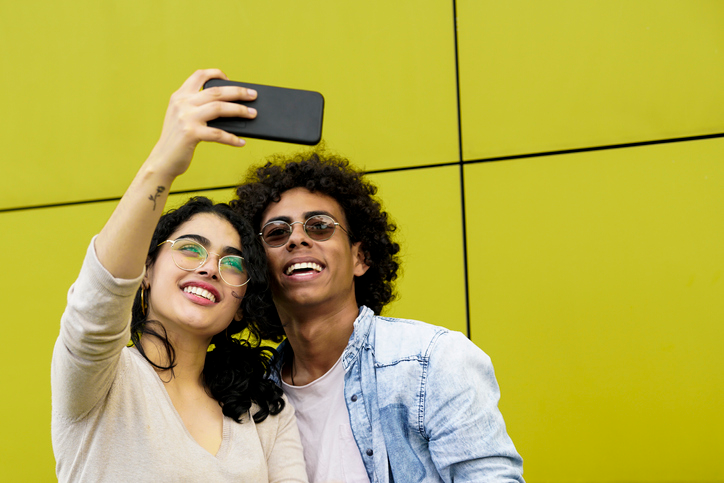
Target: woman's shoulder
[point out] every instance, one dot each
(279, 438)
(274, 424)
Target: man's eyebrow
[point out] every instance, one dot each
(309, 214)
(279, 218)
(206, 243)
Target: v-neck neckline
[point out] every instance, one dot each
(225, 436)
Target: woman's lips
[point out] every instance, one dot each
(201, 293)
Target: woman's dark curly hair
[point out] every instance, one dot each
(332, 175)
(236, 372)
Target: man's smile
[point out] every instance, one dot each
(303, 267)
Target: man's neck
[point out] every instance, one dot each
(317, 341)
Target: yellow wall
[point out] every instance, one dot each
(594, 275)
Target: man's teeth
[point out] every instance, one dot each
(200, 292)
(303, 266)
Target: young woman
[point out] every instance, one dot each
(168, 408)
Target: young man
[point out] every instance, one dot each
(377, 399)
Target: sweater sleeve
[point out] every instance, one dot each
(94, 329)
(285, 460)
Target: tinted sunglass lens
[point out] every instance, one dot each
(276, 234)
(320, 227)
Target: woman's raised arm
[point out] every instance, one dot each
(122, 245)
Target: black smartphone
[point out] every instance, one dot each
(287, 115)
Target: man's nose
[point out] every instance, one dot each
(298, 236)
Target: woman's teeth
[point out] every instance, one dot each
(303, 266)
(200, 292)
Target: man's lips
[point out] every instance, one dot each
(306, 266)
(302, 266)
(202, 290)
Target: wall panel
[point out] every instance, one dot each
(85, 87)
(425, 204)
(49, 246)
(563, 74)
(596, 287)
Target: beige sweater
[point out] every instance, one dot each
(113, 420)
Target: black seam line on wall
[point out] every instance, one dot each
(553, 153)
(598, 148)
(104, 200)
(408, 168)
(462, 172)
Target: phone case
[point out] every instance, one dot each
(286, 115)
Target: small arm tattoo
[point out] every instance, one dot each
(159, 190)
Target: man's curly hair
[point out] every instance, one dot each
(332, 175)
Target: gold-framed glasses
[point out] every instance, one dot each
(317, 227)
(189, 255)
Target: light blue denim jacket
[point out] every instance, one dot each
(423, 404)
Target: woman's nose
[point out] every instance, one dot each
(210, 266)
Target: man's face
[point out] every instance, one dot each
(307, 273)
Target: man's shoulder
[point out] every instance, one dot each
(408, 327)
(394, 339)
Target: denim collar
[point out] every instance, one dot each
(359, 337)
(362, 327)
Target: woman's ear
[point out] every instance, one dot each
(147, 273)
(239, 316)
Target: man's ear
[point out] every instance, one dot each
(360, 266)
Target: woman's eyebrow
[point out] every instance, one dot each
(201, 239)
(207, 243)
(232, 251)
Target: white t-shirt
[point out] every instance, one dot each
(330, 450)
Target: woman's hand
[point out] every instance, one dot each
(122, 245)
(188, 112)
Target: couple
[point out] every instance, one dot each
(358, 396)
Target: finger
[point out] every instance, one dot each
(212, 110)
(220, 136)
(199, 78)
(227, 93)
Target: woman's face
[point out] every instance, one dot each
(195, 303)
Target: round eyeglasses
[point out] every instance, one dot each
(318, 227)
(189, 255)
